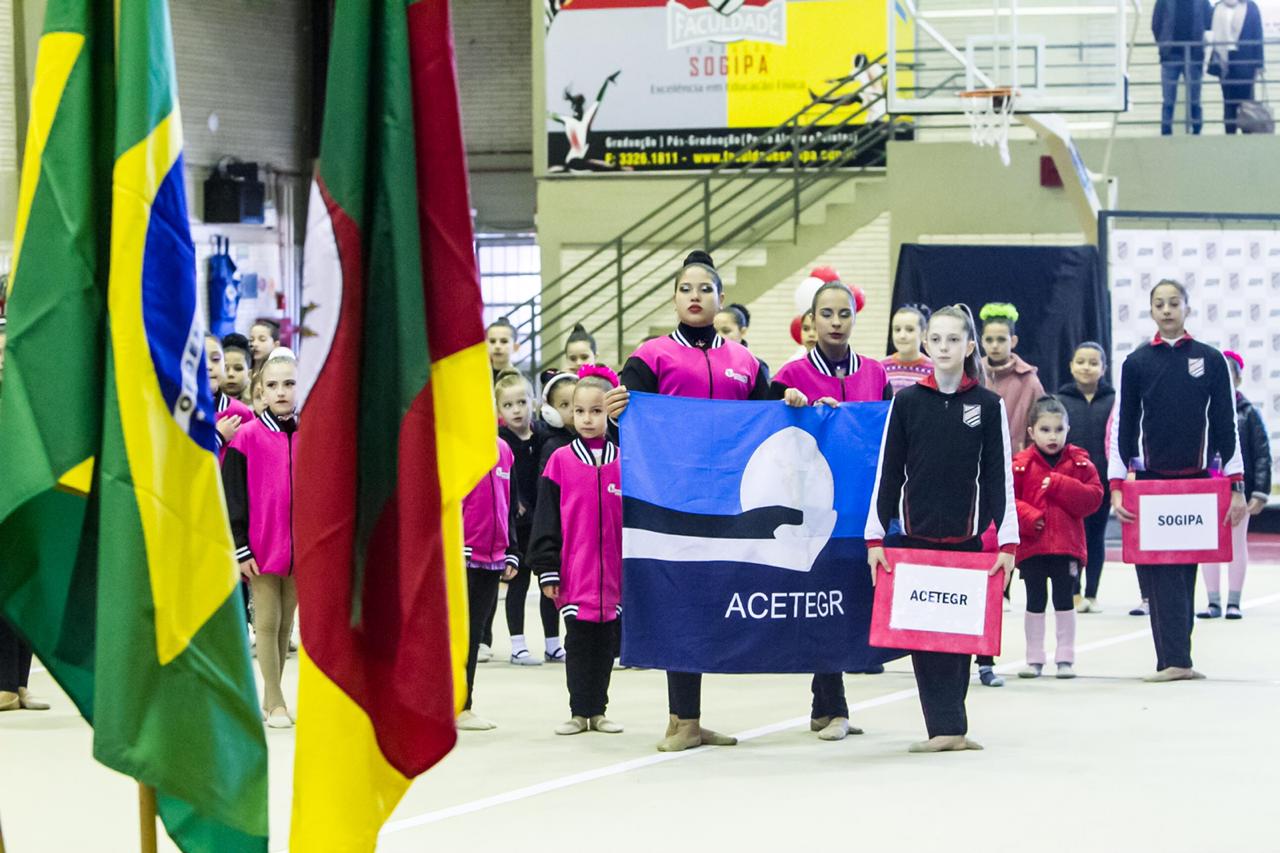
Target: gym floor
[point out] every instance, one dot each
(1104, 761)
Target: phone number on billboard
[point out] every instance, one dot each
(660, 159)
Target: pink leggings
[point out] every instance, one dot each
(1235, 569)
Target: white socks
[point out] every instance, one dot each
(518, 644)
(553, 644)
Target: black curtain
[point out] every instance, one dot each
(1058, 290)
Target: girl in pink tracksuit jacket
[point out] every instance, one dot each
(488, 526)
(257, 475)
(576, 549)
(832, 373)
(693, 361)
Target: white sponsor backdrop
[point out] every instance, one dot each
(1233, 278)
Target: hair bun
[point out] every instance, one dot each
(282, 353)
(698, 256)
(599, 370)
(998, 311)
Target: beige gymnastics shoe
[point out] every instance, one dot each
(837, 729)
(681, 735)
(601, 723)
(945, 743)
(30, 702)
(572, 726)
(1173, 673)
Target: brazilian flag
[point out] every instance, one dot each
(116, 560)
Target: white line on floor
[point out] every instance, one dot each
(662, 757)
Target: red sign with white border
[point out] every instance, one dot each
(938, 601)
(1179, 521)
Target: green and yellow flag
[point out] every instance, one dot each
(116, 559)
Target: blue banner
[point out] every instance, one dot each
(742, 535)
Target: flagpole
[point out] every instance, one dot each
(146, 818)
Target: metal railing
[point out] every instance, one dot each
(757, 191)
(1152, 83)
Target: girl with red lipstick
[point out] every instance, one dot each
(692, 361)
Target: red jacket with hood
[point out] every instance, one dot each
(1074, 491)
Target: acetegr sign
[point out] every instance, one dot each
(938, 599)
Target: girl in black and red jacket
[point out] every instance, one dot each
(1056, 486)
(945, 463)
(1174, 412)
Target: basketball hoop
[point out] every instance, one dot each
(989, 112)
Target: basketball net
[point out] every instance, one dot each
(990, 112)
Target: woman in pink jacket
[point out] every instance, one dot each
(832, 374)
(576, 549)
(692, 361)
(257, 474)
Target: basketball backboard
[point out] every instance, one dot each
(1061, 56)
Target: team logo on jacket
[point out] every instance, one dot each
(972, 415)
(736, 377)
(1195, 366)
(614, 490)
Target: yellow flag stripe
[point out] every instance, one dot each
(190, 556)
(344, 789)
(461, 389)
(466, 448)
(56, 56)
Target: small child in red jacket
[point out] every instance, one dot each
(1055, 486)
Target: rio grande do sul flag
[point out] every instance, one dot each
(397, 424)
(116, 559)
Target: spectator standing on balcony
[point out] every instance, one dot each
(1179, 27)
(1237, 54)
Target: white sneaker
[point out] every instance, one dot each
(522, 657)
(469, 722)
(1065, 671)
(484, 655)
(554, 657)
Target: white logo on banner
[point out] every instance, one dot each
(938, 599)
(726, 21)
(787, 470)
(1178, 522)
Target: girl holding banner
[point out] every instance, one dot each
(832, 374)
(945, 466)
(1175, 411)
(693, 361)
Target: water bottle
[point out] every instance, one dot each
(1215, 466)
